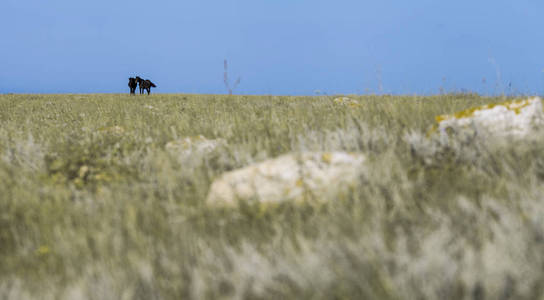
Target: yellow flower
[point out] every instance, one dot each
(326, 157)
(43, 250)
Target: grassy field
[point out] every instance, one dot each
(92, 206)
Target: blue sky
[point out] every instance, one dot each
(291, 47)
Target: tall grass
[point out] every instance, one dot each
(92, 206)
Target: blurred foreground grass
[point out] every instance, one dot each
(92, 206)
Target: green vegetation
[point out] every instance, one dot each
(92, 206)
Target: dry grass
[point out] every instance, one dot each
(92, 206)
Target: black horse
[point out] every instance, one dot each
(132, 83)
(145, 85)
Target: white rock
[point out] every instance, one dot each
(193, 145)
(512, 118)
(346, 101)
(290, 176)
